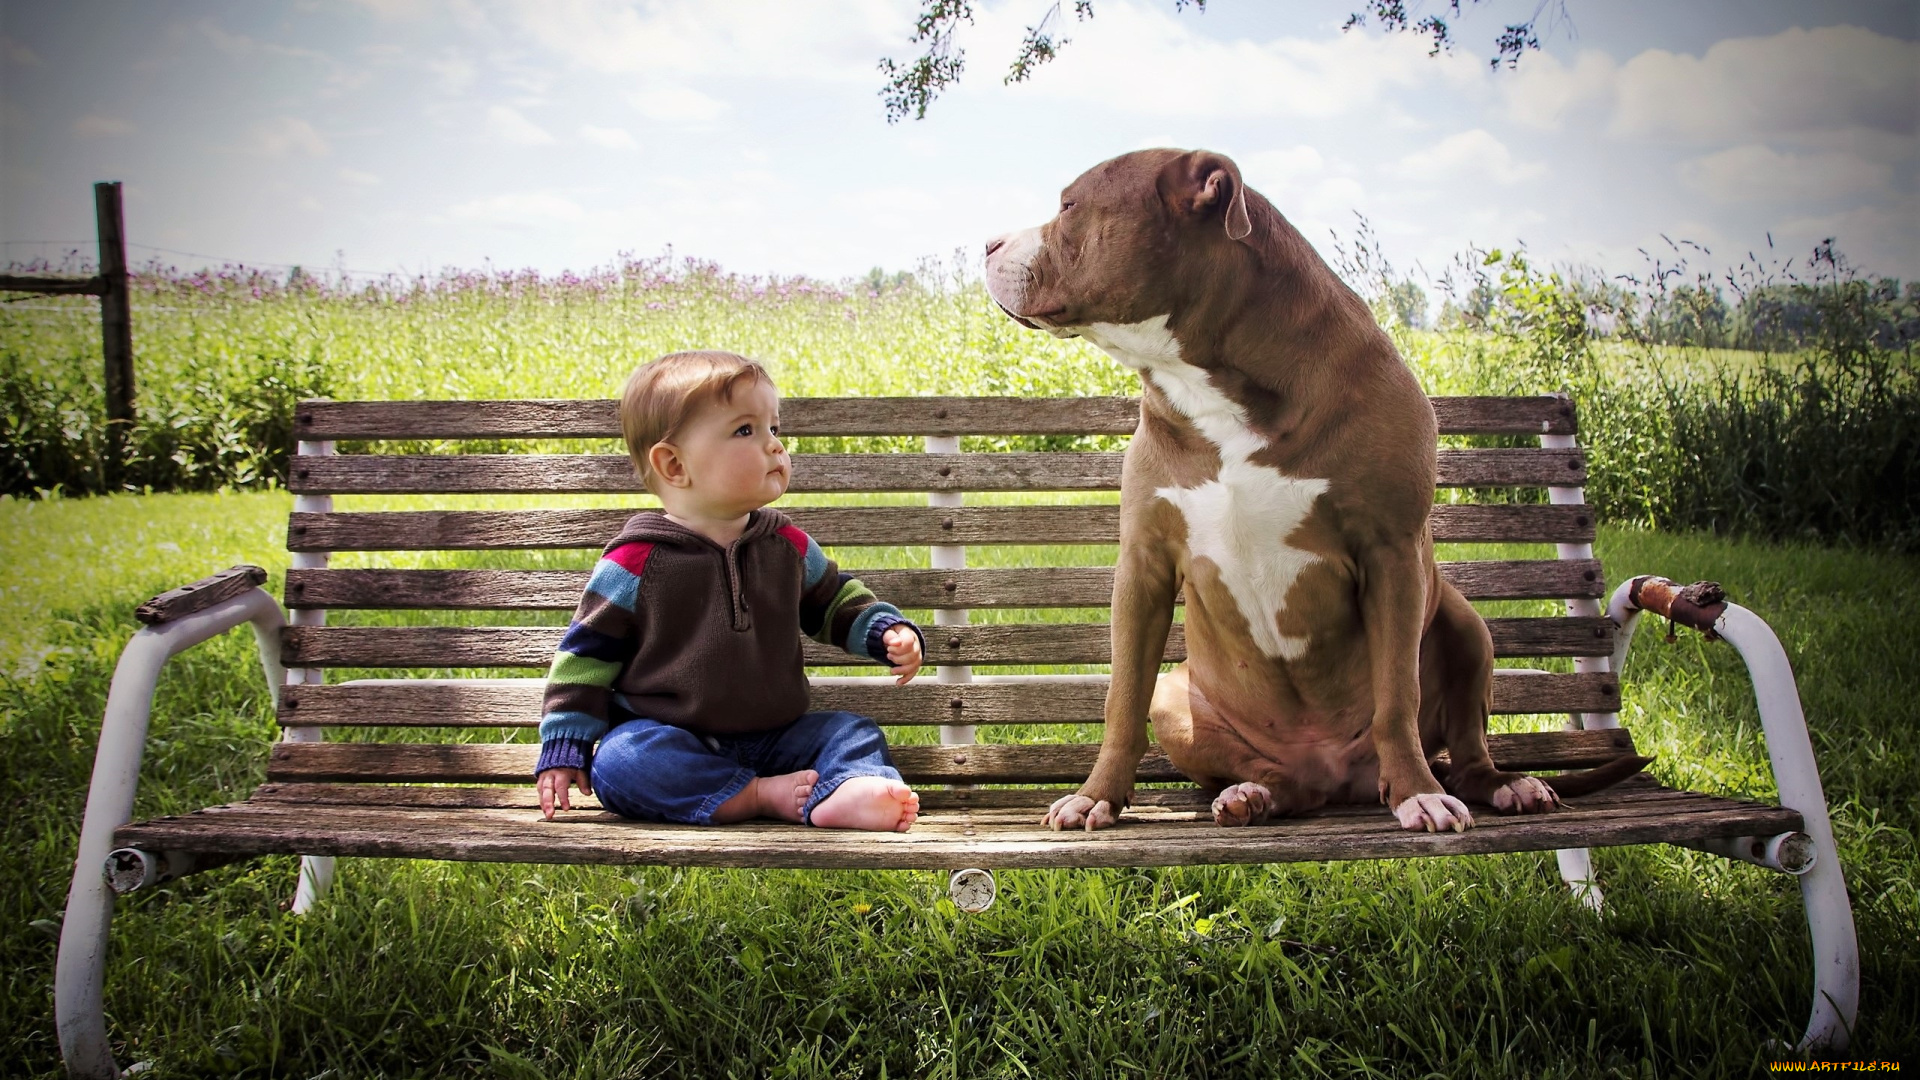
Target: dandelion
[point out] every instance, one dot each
(862, 909)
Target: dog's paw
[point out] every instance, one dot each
(1527, 795)
(1434, 813)
(1079, 811)
(1242, 804)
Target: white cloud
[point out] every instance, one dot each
(1468, 155)
(612, 138)
(507, 124)
(519, 211)
(1755, 173)
(358, 179)
(1882, 238)
(388, 10)
(1301, 184)
(812, 39)
(1794, 82)
(287, 135)
(95, 126)
(1145, 61)
(455, 72)
(679, 104)
(1543, 92)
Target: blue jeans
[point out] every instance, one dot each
(657, 772)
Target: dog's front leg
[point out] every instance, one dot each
(1394, 604)
(1144, 585)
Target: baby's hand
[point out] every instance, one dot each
(553, 788)
(903, 649)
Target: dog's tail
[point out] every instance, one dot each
(1598, 778)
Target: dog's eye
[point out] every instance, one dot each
(1065, 206)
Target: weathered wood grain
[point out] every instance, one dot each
(1005, 643)
(1021, 587)
(857, 526)
(598, 419)
(984, 803)
(507, 474)
(983, 763)
(516, 702)
(200, 595)
(518, 835)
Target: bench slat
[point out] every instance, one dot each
(516, 702)
(999, 804)
(1006, 643)
(1018, 587)
(597, 419)
(517, 835)
(936, 803)
(508, 474)
(983, 763)
(857, 526)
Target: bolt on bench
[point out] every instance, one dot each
(981, 802)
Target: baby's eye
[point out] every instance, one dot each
(744, 430)
(775, 429)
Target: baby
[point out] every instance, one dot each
(684, 658)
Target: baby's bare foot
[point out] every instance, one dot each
(782, 796)
(769, 797)
(874, 803)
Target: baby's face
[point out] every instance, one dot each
(733, 452)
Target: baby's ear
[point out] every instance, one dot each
(665, 464)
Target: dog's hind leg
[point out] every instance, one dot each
(1249, 788)
(1456, 688)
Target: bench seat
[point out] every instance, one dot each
(985, 827)
(341, 798)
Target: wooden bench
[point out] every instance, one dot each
(982, 801)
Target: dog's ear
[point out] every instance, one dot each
(1202, 183)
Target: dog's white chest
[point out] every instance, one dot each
(1241, 519)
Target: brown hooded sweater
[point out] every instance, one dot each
(676, 628)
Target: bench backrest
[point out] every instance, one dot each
(1564, 570)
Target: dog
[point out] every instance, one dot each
(1282, 473)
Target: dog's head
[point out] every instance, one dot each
(1133, 238)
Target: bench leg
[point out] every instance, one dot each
(80, 968)
(1576, 864)
(1823, 889)
(316, 878)
(972, 890)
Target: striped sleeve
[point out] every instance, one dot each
(601, 639)
(837, 609)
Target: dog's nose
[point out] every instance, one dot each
(995, 244)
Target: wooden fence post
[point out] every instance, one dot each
(116, 329)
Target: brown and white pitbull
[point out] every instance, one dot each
(1282, 472)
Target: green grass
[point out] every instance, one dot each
(1449, 967)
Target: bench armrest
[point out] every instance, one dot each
(1705, 607)
(182, 624)
(202, 594)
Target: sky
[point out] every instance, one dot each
(414, 136)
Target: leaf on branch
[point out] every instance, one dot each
(912, 87)
(1040, 46)
(1513, 42)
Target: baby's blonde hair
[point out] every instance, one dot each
(662, 394)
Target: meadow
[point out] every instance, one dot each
(1452, 967)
